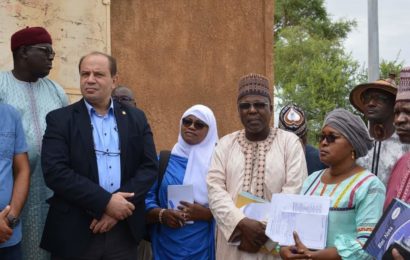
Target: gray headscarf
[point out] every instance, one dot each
(352, 128)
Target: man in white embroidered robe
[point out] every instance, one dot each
(258, 159)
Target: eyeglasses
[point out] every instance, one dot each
(377, 97)
(330, 138)
(47, 51)
(123, 98)
(107, 153)
(198, 125)
(255, 105)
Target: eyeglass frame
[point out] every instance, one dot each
(198, 124)
(378, 97)
(112, 154)
(123, 98)
(47, 50)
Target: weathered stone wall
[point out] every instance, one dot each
(76, 26)
(178, 53)
(173, 54)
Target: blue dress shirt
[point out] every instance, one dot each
(12, 142)
(107, 147)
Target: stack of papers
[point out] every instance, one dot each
(307, 215)
(254, 208)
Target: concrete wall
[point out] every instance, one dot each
(178, 53)
(76, 27)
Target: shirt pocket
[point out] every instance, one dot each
(6, 145)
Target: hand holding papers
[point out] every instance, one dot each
(307, 215)
(257, 209)
(178, 193)
(253, 207)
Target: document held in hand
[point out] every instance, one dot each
(307, 215)
(178, 193)
(255, 208)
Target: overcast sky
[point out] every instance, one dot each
(394, 28)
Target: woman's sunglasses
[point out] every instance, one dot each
(198, 125)
(331, 138)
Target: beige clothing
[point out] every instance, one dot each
(285, 171)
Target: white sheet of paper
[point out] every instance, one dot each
(307, 215)
(257, 211)
(178, 193)
(306, 227)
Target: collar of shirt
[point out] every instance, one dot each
(91, 110)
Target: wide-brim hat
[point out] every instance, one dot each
(387, 85)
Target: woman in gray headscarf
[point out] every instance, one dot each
(357, 195)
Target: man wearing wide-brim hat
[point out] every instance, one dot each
(376, 101)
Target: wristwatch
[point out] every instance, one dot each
(13, 221)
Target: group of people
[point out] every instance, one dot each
(86, 182)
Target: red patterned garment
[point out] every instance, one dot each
(399, 182)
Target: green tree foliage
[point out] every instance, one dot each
(316, 82)
(312, 15)
(311, 67)
(387, 68)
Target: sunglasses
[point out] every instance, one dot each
(47, 51)
(377, 97)
(331, 138)
(255, 105)
(198, 125)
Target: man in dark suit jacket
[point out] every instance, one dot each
(99, 159)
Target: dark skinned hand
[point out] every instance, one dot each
(298, 251)
(5, 231)
(252, 235)
(195, 211)
(173, 218)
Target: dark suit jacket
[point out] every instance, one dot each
(312, 159)
(70, 170)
